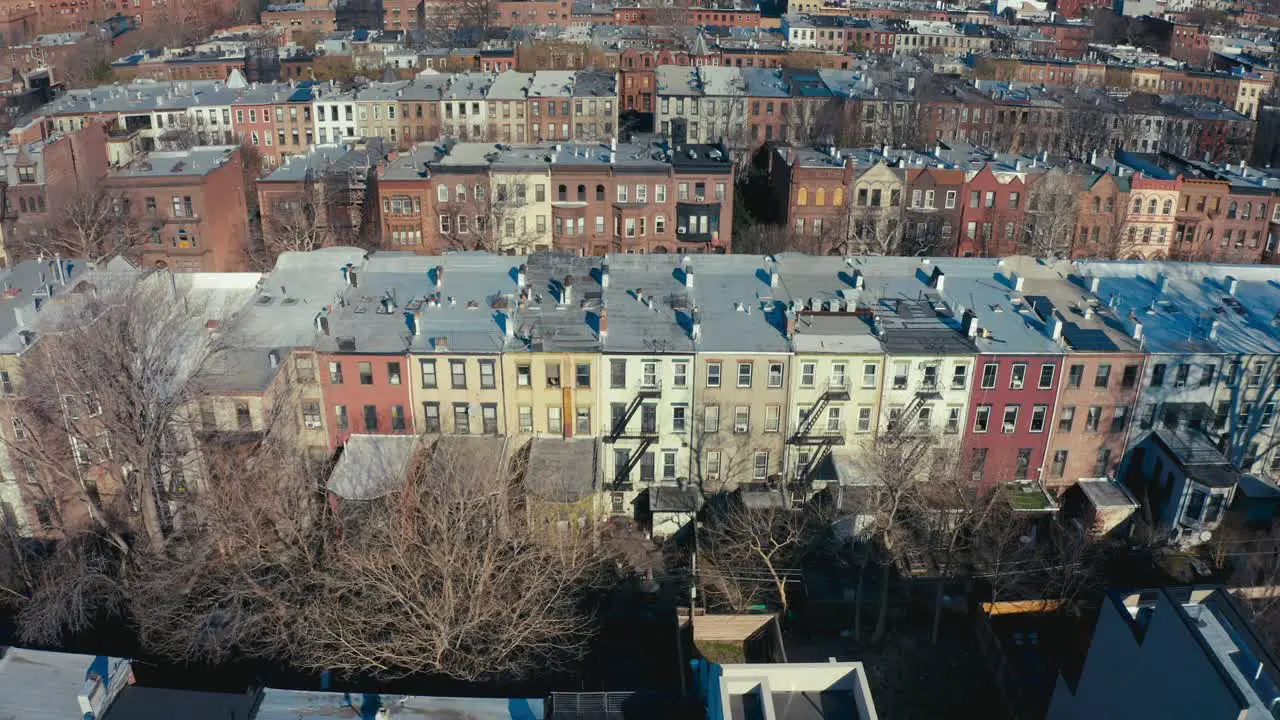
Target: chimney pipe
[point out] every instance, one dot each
(688, 277)
(695, 326)
(1232, 285)
(604, 276)
(791, 324)
(352, 280)
(1137, 331)
(442, 343)
(1095, 283)
(1162, 283)
(508, 325)
(417, 322)
(1018, 281)
(773, 277)
(520, 277)
(1056, 328)
(604, 322)
(322, 323)
(566, 296)
(439, 276)
(1213, 329)
(939, 279)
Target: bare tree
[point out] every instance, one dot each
(90, 224)
(749, 555)
(1052, 211)
(439, 577)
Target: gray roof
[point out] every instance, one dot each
(137, 702)
(735, 301)
(373, 465)
(660, 324)
(552, 320)
(1107, 493)
(40, 685)
(675, 499)
(1179, 319)
(563, 470)
(195, 162)
(308, 705)
(35, 286)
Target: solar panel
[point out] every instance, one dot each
(1087, 340)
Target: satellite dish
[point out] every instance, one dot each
(1205, 535)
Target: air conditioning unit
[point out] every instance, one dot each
(681, 230)
(1008, 428)
(739, 428)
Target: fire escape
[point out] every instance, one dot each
(905, 422)
(648, 435)
(819, 437)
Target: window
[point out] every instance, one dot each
(1157, 375)
(869, 375)
(617, 373)
(1010, 422)
(488, 381)
(1255, 375)
(555, 420)
(1103, 463)
(1018, 377)
(981, 418)
(989, 375)
(900, 373)
(366, 373)
(1092, 418)
(649, 373)
(713, 464)
(393, 373)
(581, 375)
(1023, 464)
(1059, 466)
(371, 418)
(978, 462)
(773, 418)
(713, 374)
(525, 413)
(864, 419)
(742, 419)
(679, 418)
(461, 418)
(760, 466)
(959, 376)
(581, 421)
(1046, 376)
(1207, 373)
(680, 374)
(524, 375)
(335, 373)
(711, 419)
(1074, 375)
(1182, 374)
(1119, 419)
(744, 374)
(397, 418)
(340, 416)
(1038, 414)
(1103, 377)
(458, 374)
(311, 415)
(552, 371)
(1130, 377)
(775, 374)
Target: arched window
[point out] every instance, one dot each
(562, 193)
(1151, 207)
(599, 193)
(1097, 204)
(837, 198)
(1168, 207)
(1247, 211)
(460, 193)
(820, 197)
(1137, 205)
(802, 196)
(1232, 210)
(582, 193)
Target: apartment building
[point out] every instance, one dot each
(194, 202)
(741, 375)
(649, 329)
(633, 197)
(550, 362)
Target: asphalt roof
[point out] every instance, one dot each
(372, 466)
(40, 685)
(649, 307)
(563, 470)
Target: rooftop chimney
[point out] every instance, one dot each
(688, 276)
(695, 326)
(1162, 283)
(1232, 285)
(1213, 329)
(439, 276)
(520, 277)
(939, 279)
(508, 324)
(417, 322)
(1055, 328)
(773, 276)
(1137, 331)
(442, 343)
(791, 324)
(604, 322)
(1018, 281)
(322, 323)
(604, 276)
(970, 323)
(1094, 283)
(352, 280)
(566, 296)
